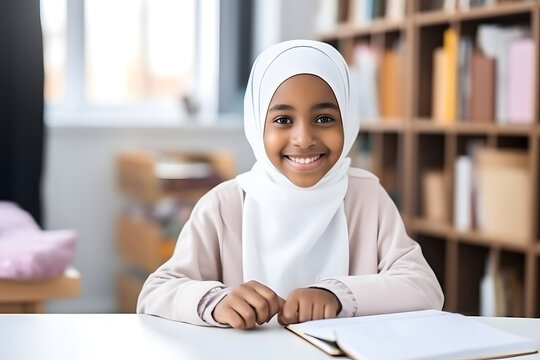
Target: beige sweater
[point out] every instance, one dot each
(387, 271)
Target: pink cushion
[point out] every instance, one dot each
(29, 253)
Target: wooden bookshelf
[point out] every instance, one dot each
(143, 241)
(406, 146)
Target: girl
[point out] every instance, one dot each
(302, 235)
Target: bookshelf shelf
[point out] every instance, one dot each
(430, 227)
(434, 18)
(388, 125)
(378, 26)
(341, 32)
(504, 9)
(440, 229)
(478, 238)
(424, 125)
(406, 151)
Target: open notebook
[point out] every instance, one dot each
(427, 334)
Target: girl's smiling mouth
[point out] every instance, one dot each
(304, 162)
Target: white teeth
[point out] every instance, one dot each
(303, 160)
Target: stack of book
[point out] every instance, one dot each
(494, 81)
(378, 76)
(492, 194)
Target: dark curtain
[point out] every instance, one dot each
(21, 104)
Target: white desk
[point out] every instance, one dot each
(130, 336)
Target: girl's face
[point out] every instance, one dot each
(303, 133)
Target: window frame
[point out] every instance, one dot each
(74, 110)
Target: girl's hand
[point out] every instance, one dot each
(248, 303)
(309, 304)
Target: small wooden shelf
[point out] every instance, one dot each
(30, 296)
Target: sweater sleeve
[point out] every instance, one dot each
(405, 281)
(175, 289)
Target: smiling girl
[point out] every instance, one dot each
(302, 234)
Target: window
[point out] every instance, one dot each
(53, 14)
(129, 57)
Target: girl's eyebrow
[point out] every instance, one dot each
(325, 105)
(319, 106)
(281, 107)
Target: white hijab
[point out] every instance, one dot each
(292, 236)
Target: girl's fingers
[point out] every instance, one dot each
(266, 302)
(248, 304)
(289, 312)
(235, 320)
(330, 311)
(259, 304)
(305, 310)
(318, 311)
(246, 311)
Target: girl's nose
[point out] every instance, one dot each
(303, 135)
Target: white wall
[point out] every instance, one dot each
(282, 20)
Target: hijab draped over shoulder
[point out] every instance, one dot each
(293, 237)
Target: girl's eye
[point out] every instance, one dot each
(283, 121)
(324, 120)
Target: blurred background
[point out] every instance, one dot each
(117, 115)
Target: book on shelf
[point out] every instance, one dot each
(364, 79)
(512, 279)
(463, 192)
(326, 18)
(444, 79)
(433, 194)
(521, 74)
(494, 41)
(343, 11)
(439, 87)
(467, 4)
(504, 194)
(464, 4)
(390, 84)
(395, 10)
(465, 55)
(501, 289)
(426, 334)
(362, 11)
(450, 45)
(482, 96)
(449, 5)
(492, 299)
